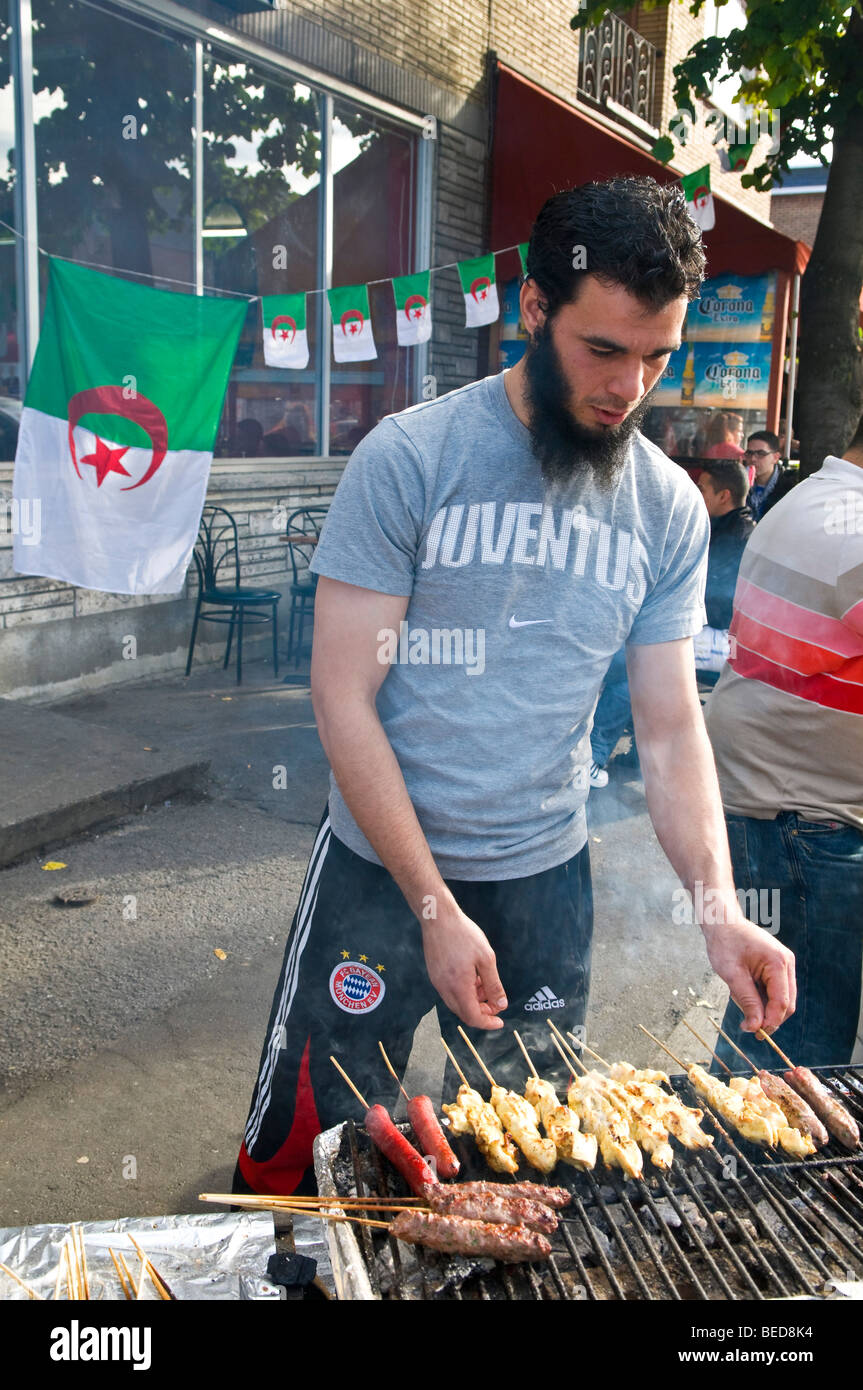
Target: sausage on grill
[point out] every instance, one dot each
(457, 1236)
(557, 1197)
(826, 1106)
(390, 1140)
(433, 1141)
(798, 1114)
(497, 1206)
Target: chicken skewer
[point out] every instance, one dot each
(519, 1118)
(732, 1107)
(472, 1115)
(560, 1122)
(791, 1140)
(798, 1114)
(645, 1126)
(600, 1117)
(625, 1071)
(681, 1120)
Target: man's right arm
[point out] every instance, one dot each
(346, 677)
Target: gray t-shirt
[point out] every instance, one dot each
(520, 595)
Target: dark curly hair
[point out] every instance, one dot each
(634, 232)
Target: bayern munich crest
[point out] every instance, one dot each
(356, 988)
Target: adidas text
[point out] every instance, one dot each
(544, 999)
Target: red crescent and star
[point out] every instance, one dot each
(112, 400)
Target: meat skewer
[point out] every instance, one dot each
(391, 1142)
(561, 1124)
(798, 1114)
(732, 1107)
(645, 1126)
(472, 1115)
(454, 1235)
(680, 1120)
(426, 1127)
(519, 1118)
(554, 1197)
(837, 1119)
(603, 1120)
(791, 1140)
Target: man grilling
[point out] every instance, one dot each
(526, 512)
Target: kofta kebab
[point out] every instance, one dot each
(620, 1116)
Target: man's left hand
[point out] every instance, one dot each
(758, 970)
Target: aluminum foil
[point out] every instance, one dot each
(213, 1255)
(349, 1270)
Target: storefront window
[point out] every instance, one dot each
(261, 226)
(113, 106)
(10, 374)
(373, 237)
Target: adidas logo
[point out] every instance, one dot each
(544, 998)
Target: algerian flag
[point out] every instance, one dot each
(413, 310)
(352, 326)
(699, 199)
(479, 290)
(523, 247)
(118, 427)
(286, 342)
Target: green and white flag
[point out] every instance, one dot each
(413, 310)
(523, 247)
(286, 342)
(118, 427)
(479, 290)
(352, 325)
(699, 199)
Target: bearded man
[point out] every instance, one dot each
(525, 518)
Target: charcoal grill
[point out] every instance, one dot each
(734, 1222)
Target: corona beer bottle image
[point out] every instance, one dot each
(687, 393)
(767, 314)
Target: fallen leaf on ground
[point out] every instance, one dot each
(54, 864)
(82, 1159)
(223, 955)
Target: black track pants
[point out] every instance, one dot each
(354, 973)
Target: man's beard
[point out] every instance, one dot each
(565, 449)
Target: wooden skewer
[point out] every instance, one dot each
(464, 1079)
(563, 1055)
(18, 1280)
(703, 1043)
(128, 1274)
(67, 1258)
(525, 1054)
(141, 1277)
(335, 1216)
(485, 1071)
(302, 1204)
(684, 1065)
(733, 1044)
(765, 1037)
(84, 1273)
(76, 1268)
(392, 1071)
(596, 1055)
(343, 1074)
(158, 1283)
(557, 1033)
(120, 1275)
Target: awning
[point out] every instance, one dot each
(543, 145)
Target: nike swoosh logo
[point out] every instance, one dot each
(527, 622)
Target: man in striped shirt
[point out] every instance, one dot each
(786, 724)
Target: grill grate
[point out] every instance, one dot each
(733, 1222)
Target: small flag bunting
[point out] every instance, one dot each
(699, 199)
(286, 342)
(352, 326)
(480, 290)
(522, 255)
(413, 309)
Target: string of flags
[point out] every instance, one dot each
(286, 341)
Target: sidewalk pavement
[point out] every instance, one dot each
(130, 1048)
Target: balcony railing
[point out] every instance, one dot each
(617, 68)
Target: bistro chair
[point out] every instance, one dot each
(217, 560)
(303, 531)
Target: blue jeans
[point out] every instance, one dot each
(809, 877)
(613, 711)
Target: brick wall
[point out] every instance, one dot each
(797, 215)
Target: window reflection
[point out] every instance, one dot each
(373, 237)
(261, 216)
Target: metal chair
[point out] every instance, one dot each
(302, 533)
(217, 561)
